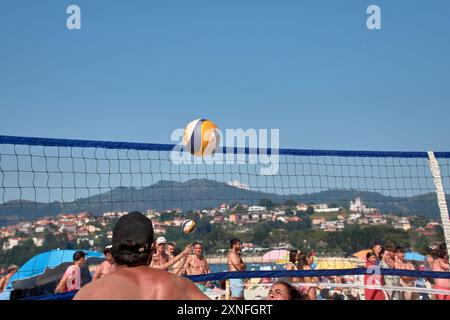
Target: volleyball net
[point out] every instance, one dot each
(67, 195)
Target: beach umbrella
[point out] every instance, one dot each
(336, 263)
(277, 256)
(362, 254)
(284, 258)
(44, 261)
(414, 256)
(52, 275)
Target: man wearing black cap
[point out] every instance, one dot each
(133, 279)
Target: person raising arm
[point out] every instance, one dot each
(132, 242)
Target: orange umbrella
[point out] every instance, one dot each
(362, 254)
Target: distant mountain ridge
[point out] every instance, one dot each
(203, 193)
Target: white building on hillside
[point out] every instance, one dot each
(319, 206)
(11, 243)
(256, 209)
(328, 210)
(357, 205)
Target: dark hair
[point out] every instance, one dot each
(196, 243)
(442, 246)
(233, 242)
(293, 293)
(132, 259)
(429, 251)
(310, 254)
(325, 293)
(302, 260)
(337, 296)
(399, 249)
(369, 254)
(440, 252)
(170, 244)
(293, 256)
(389, 247)
(106, 251)
(78, 255)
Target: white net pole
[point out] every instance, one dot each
(436, 172)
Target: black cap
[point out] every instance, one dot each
(133, 234)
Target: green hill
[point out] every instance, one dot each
(201, 194)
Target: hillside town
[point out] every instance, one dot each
(89, 229)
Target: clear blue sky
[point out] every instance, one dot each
(139, 69)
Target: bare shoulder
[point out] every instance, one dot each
(168, 286)
(99, 289)
(189, 290)
(123, 284)
(234, 256)
(138, 284)
(189, 259)
(86, 292)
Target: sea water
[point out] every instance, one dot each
(223, 267)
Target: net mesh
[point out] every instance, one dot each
(69, 195)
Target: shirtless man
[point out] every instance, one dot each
(133, 279)
(400, 263)
(197, 264)
(160, 257)
(161, 260)
(235, 263)
(170, 247)
(441, 264)
(4, 281)
(106, 266)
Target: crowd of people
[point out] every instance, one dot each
(138, 267)
(387, 287)
(391, 257)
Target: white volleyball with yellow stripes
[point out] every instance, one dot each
(201, 137)
(188, 226)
